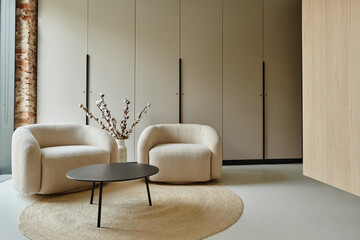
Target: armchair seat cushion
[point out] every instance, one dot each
(56, 161)
(179, 161)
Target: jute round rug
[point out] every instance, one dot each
(178, 212)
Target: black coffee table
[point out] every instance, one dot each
(112, 172)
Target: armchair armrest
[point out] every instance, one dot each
(26, 162)
(148, 138)
(211, 139)
(99, 138)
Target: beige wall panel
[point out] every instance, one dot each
(61, 61)
(331, 88)
(282, 54)
(157, 56)
(201, 53)
(111, 43)
(242, 83)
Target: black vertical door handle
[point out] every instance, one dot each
(263, 96)
(87, 87)
(180, 90)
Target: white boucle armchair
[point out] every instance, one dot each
(183, 152)
(43, 153)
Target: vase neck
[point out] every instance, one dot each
(120, 141)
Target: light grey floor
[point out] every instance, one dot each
(280, 203)
(4, 177)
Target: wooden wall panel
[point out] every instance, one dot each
(354, 98)
(331, 88)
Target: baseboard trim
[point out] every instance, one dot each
(262, 161)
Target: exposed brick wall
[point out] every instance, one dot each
(26, 60)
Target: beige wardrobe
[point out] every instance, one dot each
(62, 49)
(134, 49)
(167, 30)
(331, 87)
(110, 46)
(262, 56)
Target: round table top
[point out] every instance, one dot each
(112, 172)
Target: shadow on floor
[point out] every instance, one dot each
(4, 177)
(251, 176)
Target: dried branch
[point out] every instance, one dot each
(136, 121)
(111, 122)
(90, 115)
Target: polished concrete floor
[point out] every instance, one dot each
(4, 177)
(280, 203)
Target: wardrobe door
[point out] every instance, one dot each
(157, 61)
(282, 53)
(61, 61)
(111, 43)
(201, 53)
(242, 79)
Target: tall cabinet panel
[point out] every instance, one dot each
(61, 61)
(242, 83)
(201, 53)
(111, 43)
(157, 56)
(282, 55)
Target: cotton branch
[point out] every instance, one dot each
(111, 122)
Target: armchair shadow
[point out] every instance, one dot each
(247, 176)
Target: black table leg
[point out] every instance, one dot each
(92, 193)
(99, 207)
(148, 191)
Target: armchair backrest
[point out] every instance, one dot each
(175, 133)
(50, 135)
